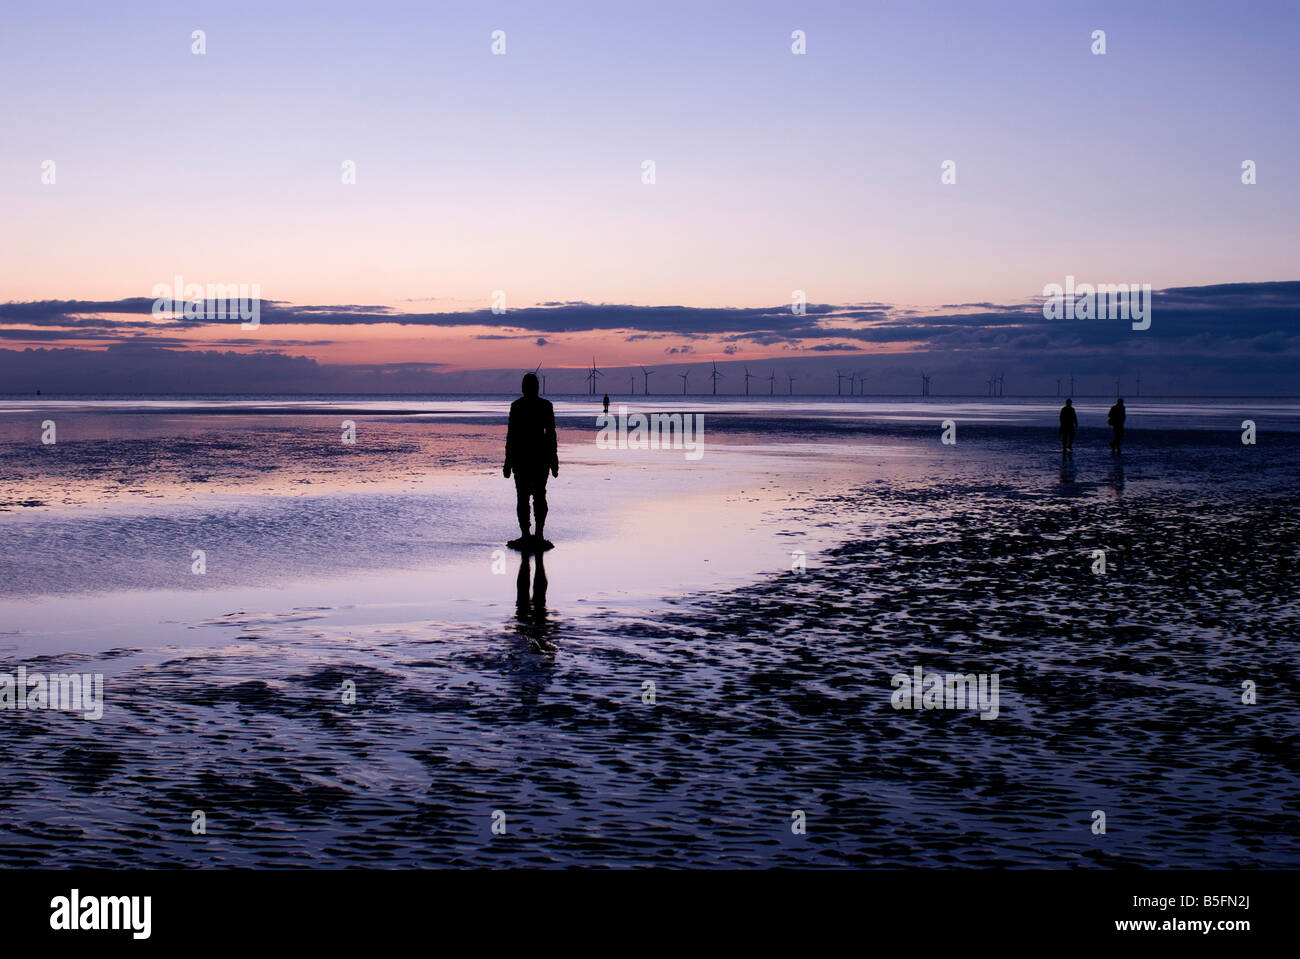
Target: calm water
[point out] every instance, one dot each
(377, 565)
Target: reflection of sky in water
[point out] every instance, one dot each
(1280, 413)
(361, 546)
(404, 525)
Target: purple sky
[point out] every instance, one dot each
(774, 172)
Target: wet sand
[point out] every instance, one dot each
(772, 687)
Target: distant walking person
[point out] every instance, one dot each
(1115, 420)
(530, 452)
(1069, 423)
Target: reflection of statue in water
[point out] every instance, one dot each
(1116, 480)
(531, 621)
(1067, 470)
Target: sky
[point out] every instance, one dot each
(524, 173)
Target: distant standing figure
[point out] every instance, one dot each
(530, 452)
(606, 402)
(1115, 420)
(1069, 423)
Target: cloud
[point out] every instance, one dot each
(568, 317)
(1247, 334)
(1234, 312)
(141, 368)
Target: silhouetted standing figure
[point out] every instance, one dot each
(606, 402)
(1115, 420)
(1069, 423)
(530, 452)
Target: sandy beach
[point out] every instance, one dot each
(767, 591)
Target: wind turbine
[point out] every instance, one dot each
(632, 384)
(1071, 384)
(771, 384)
(839, 377)
(1001, 377)
(592, 374)
(646, 373)
(1117, 386)
(790, 376)
(748, 375)
(1058, 387)
(862, 382)
(684, 376)
(715, 375)
(925, 384)
(1139, 384)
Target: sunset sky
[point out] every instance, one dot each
(774, 172)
